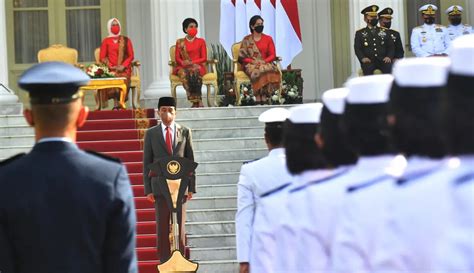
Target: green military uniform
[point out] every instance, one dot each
(395, 35)
(374, 43)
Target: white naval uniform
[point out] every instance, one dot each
(361, 211)
(256, 178)
(419, 210)
(455, 251)
(269, 246)
(459, 30)
(428, 40)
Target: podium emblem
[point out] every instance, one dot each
(173, 167)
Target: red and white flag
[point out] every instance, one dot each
(252, 9)
(241, 23)
(227, 27)
(287, 30)
(268, 14)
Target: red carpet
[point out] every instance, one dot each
(120, 134)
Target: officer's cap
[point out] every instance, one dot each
(273, 115)
(454, 10)
(369, 89)
(421, 72)
(309, 113)
(370, 10)
(386, 13)
(462, 56)
(53, 83)
(335, 100)
(428, 9)
(167, 101)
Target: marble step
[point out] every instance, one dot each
(6, 152)
(234, 143)
(207, 112)
(220, 202)
(217, 178)
(216, 190)
(223, 266)
(17, 140)
(220, 166)
(12, 120)
(213, 253)
(218, 122)
(216, 227)
(214, 240)
(209, 133)
(210, 215)
(228, 154)
(11, 107)
(18, 130)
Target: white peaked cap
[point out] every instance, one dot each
(369, 89)
(462, 56)
(276, 114)
(460, 9)
(335, 100)
(306, 113)
(426, 7)
(422, 72)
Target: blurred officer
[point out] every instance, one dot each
(373, 45)
(429, 39)
(386, 16)
(366, 127)
(259, 177)
(419, 206)
(456, 28)
(63, 209)
(456, 248)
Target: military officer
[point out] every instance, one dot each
(257, 178)
(63, 209)
(373, 45)
(386, 16)
(456, 28)
(429, 39)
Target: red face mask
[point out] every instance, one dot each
(115, 29)
(193, 31)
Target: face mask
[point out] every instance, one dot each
(374, 22)
(387, 25)
(456, 21)
(259, 29)
(115, 29)
(193, 32)
(429, 20)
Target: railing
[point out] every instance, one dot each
(3, 87)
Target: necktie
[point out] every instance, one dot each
(169, 145)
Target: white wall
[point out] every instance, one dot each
(3, 45)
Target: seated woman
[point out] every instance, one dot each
(191, 56)
(256, 54)
(116, 52)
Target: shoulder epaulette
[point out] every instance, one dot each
(11, 159)
(367, 184)
(463, 179)
(103, 156)
(282, 187)
(413, 178)
(250, 161)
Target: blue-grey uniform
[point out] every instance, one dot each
(257, 178)
(269, 248)
(429, 39)
(62, 209)
(456, 29)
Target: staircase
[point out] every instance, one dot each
(223, 139)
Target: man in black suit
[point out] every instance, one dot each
(63, 209)
(386, 16)
(168, 138)
(373, 46)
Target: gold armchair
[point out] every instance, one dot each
(59, 53)
(135, 82)
(239, 75)
(209, 79)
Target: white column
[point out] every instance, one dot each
(470, 10)
(166, 18)
(357, 21)
(5, 96)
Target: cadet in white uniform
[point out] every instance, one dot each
(259, 177)
(456, 248)
(429, 39)
(357, 194)
(456, 28)
(419, 207)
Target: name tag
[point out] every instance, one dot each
(439, 30)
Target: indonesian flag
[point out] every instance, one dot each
(252, 9)
(268, 14)
(227, 28)
(241, 23)
(287, 30)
